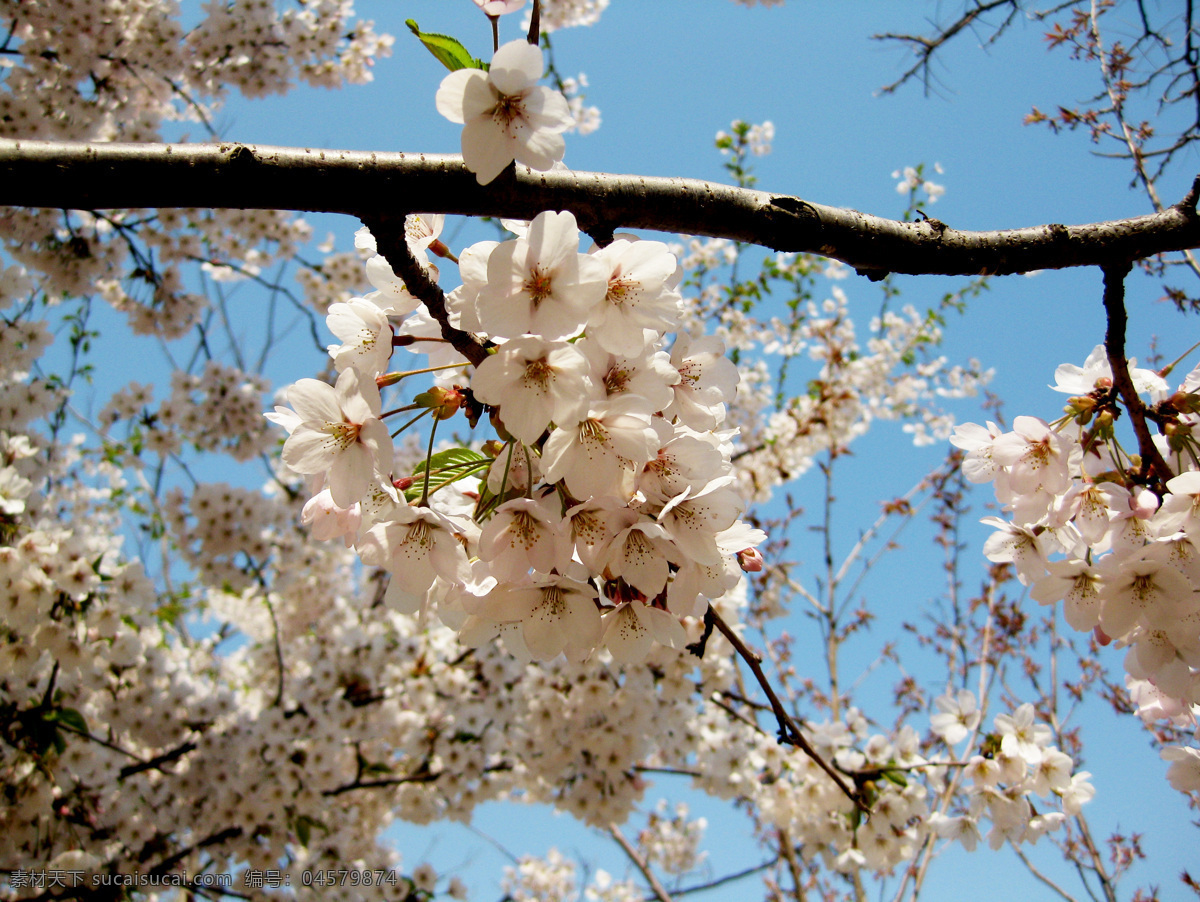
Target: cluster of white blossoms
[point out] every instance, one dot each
(604, 513)
(1015, 763)
(1087, 528)
(81, 70)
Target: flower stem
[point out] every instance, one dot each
(1166, 370)
(395, 410)
(428, 465)
(410, 422)
(393, 378)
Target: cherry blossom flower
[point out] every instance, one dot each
(1036, 456)
(1143, 591)
(1181, 508)
(978, 465)
(533, 382)
(685, 463)
(339, 431)
(328, 521)
(1184, 772)
(640, 553)
(557, 614)
(421, 231)
(366, 337)
(641, 296)
(1096, 373)
(541, 283)
(647, 374)
(957, 716)
(601, 450)
(1078, 585)
(416, 546)
(1077, 793)
(693, 519)
(1018, 545)
(962, 828)
(524, 533)
(1020, 736)
(631, 630)
(506, 115)
(707, 381)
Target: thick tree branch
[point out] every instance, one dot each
(370, 185)
(388, 232)
(1153, 465)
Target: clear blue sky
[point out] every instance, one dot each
(667, 75)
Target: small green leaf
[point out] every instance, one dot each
(451, 457)
(895, 776)
(304, 826)
(447, 50)
(68, 717)
(446, 467)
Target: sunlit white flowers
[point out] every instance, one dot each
(506, 115)
(339, 433)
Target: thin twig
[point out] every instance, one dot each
(660, 892)
(1042, 877)
(789, 732)
(728, 878)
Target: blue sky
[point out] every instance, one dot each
(666, 76)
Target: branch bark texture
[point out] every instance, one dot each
(370, 185)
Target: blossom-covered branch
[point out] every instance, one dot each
(367, 184)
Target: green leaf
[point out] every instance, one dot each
(446, 50)
(895, 776)
(304, 826)
(446, 467)
(68, 717)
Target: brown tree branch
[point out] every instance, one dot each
(1153, 465)
(789, 731)
(925, 46)
(660, 892)
(370, 185)
(388, 232)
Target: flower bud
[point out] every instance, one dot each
(444, 402)
(385, 379)
(1185, 402)
(1080, 409)
(750, 560)
(1179, 436)
(1104, 425)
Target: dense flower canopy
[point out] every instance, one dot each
(528, 532)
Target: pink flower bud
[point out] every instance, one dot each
(750, 560)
